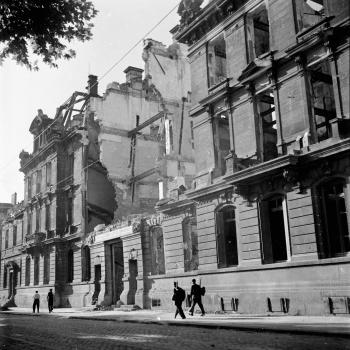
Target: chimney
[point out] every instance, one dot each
(14, 198)
(133, 75)
(92, 85)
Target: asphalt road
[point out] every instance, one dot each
(39, 332)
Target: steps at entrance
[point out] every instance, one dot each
(129, 307)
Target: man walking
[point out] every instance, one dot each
(36, 301)
(178, 297)
(50, 300)
(196, 294)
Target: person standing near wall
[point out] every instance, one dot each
(50, 300)
(196, 294)
(36, 301)
(178, 297)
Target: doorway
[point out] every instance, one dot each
(132, 282)
(117, 270)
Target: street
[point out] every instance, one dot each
(58, 332)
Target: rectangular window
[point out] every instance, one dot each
(29, 223)
(47, 217)
(309, 13)
(27, 272)
(267, 126)
(71, 165)
(38, 181)
(258, 33)
(14, 235)
(46, 268)
(48, 174)
(7, 239)
(216, 60)
(322, 99)
(169, 137)
(37, 219)
(29, 187)
(36, 270)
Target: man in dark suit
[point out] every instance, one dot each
(196, 294)
(178, 297)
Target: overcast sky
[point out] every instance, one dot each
(118, 26)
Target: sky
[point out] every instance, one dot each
(118, 26)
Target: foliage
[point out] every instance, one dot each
(43, 29)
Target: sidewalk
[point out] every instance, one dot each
(325, 325)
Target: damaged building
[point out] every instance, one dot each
(266, 226)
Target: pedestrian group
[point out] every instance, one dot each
(36, 301)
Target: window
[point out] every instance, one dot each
(27, 275)
(14, 235)
(190, 241)
(47, 217)
(5, 278)
(70, 266)
(226, 236)
(47, 268)
(69, 210)
(36, 270)
(332, 219)
(274, 230)
(86, 263)
(48, 174)
(70, 165)
(29, 223)
(169, 137)
(157, 251)
(221, 142)
(37, 219)
(7, 239)
(216, 60)
(322, 99)
(258, 33)
(309, 13)
(267, 126)
(38, 181)
(29, 187)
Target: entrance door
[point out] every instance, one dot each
(11, 285)
(117, 271)
(132, 281)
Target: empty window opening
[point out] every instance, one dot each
(29, 223)
(309, 13)
(273, 229)
(38, 181)
(68, 211)
(226, 237)
(217, 60)
(169, 136)
(267, 126)
(334, 219)
(37, 219)
(86, 264)
(36, 270)
(47, 217)
(27, 272)
(5, 278)
(14, 235)
(46, 268)
(190, 244)
(221, 142)
(48, 174)
(157, 251)
(29, 187)
(258, 33)
(70, 266)
(322, 99)
(7, 239)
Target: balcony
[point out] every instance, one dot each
(35, 239)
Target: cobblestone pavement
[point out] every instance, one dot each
(53, 332)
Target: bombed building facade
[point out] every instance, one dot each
(226, 159)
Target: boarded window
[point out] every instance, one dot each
(217, 60)
(273, 230)
(157, 251)
(46, 268)
(27, 272)
(333, 235)
(226, 236)
(36, 270)
(70, 266)
(322, 99)
(86, 263)
(190, 243)
(258, 33)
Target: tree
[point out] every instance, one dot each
(31, 29)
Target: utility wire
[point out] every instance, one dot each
(108, 71)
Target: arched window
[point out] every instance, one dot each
(86, 263)
(226, 236)
(27, 275)
(36, 270)
(332, 218)
(70, 266)
(157, 251)
(273, 229)
(47, 268)
(190, 243)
